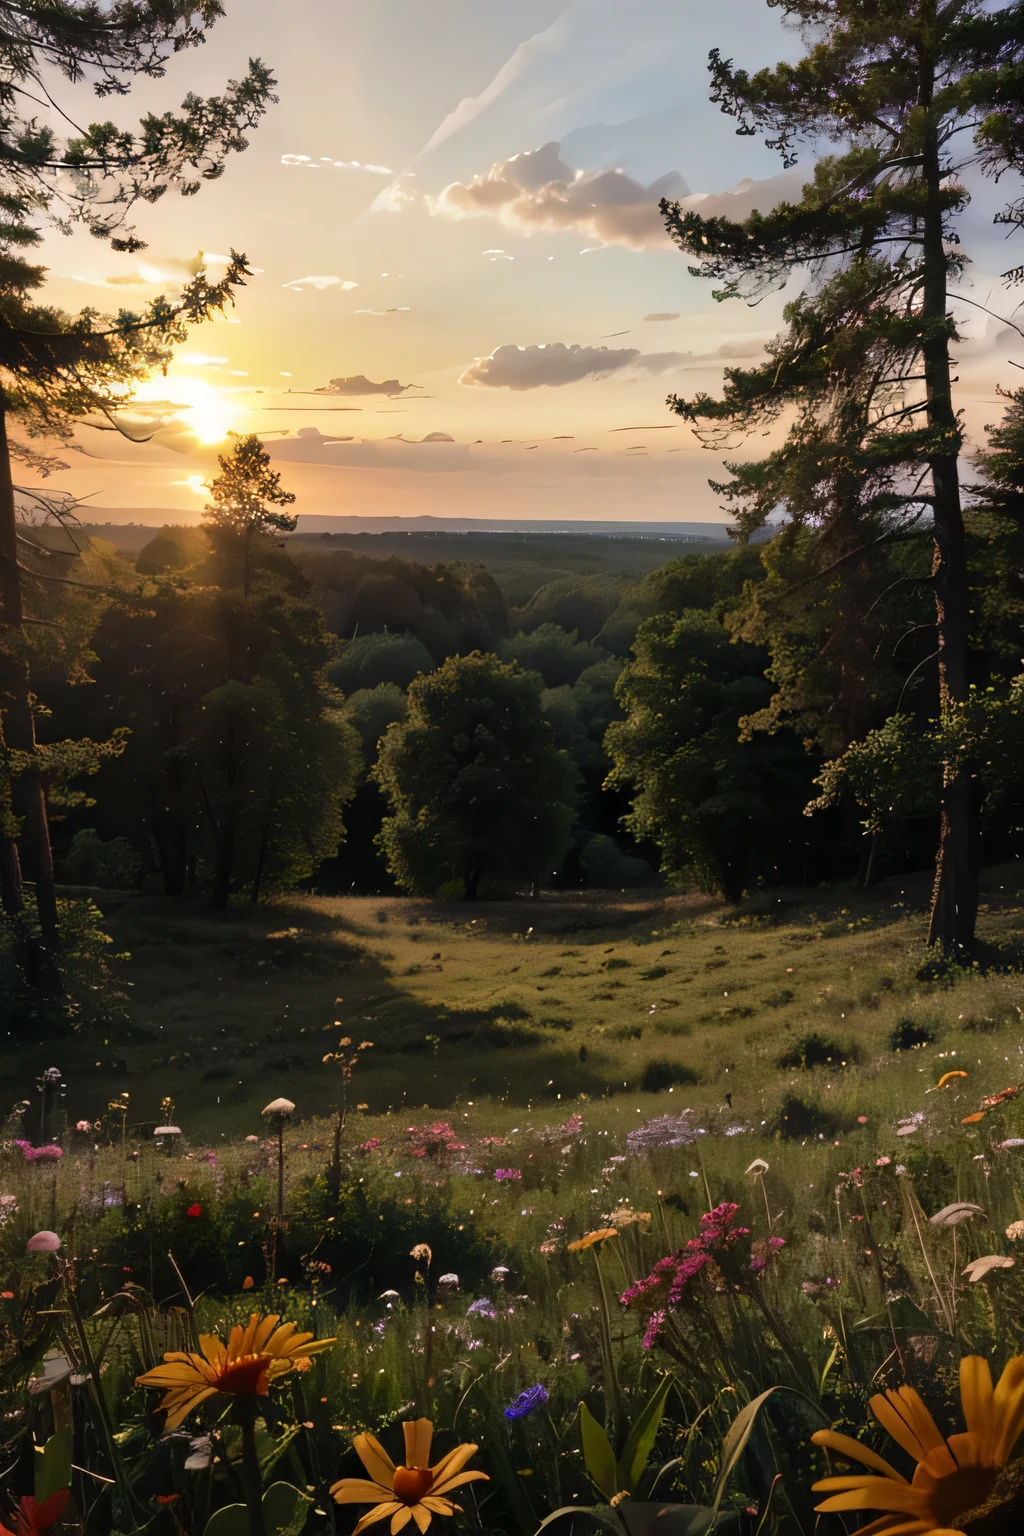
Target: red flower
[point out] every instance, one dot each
(168, 1498)
(31, 1518)
(194, 1210)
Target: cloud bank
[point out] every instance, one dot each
(536, 190)
(359, 384)
(555, 364)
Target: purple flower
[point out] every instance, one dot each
(504, 1174)
(33, 1154)
(526, 1402)
(481, 1308)
(655, 1324)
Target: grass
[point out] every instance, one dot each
(646, 1004)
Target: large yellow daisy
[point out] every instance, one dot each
(410, 1492)
(952, 1476)
(245, 1366)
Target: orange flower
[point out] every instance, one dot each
(410, 1492)
(33, 1516)
(952, 1476)
(253, 1357)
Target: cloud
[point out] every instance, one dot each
(512, 367)
(299, 283)
(359, 384)
(305, 162)
(661, 317)
(537, 190)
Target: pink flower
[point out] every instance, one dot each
(43, 1242)
(371, 1145)
(502, 1175)
(83, 1125)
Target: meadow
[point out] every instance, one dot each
(787, 1106)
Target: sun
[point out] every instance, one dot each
(197, 403)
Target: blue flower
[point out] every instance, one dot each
(526, 1402)
(481, 1308)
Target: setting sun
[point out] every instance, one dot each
(197, 403)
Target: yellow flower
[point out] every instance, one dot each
(592, 1238)
(952, 1476)
(949, 1077)
(253, 1357)
(410, 1492)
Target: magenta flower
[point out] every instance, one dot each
(502, 1175)
(664, 1286)
(43, 1242)
(33, 1154)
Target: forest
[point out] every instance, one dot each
(629, 954)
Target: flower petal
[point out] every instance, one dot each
(375, 1459)
(356, 1490)
(181, 1410)
(976, 1397)
(456, 1482)
(421, 1515)
(1008, 1405)
(401, 1519)
(418, 1435)
(436, 1505)
(872, 1493)
(904, 1416)
(382, 1512)
(453, 1462)
(845, 1445)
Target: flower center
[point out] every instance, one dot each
(246, 1377)
(961, 1490)
(411, 1483)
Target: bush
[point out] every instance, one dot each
(380, 658)
(661, 1074)
(816, 1050)
(906, 1035)
(559, 656)
(371, 711)
(798, 1118)
(113, 865)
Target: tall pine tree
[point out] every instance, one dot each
(58, 368)
(912, 94)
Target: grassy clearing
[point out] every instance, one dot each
(812, 1008)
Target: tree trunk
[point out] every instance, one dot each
(20, 735)
(955, 894)
(473, 881)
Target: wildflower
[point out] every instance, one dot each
(43, 1242)
(502, 1175)
(977, 1269)
(670, 1276)
(1002, 1097)
(583, 1243)
(252, 1138)
(952, 1476)
(168, 1498)
(882, 1162)
(371, 1145)
(414, 1491)
(1015, 1231)
(248, 1283)
(194, 1210)
(279, 1107)
(253, 1357)
(83, 1125)
(498, 1273)
(421, 1251)
(1011, 1143)
(758, 1167)
(33, 1154)
(450, 1281)
(534, 1397)
(761, 1252)
(950, 1077)
(33, 1516)
(481, 1308)
(663, 1131)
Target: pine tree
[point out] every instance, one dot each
(244, 494)
(912, 93)
(58, 368)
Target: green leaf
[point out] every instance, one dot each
(52, 1465)
(640, 1440)
(829, 1363)
(285, 1509)
(232, 1520)
(655, 1519)
(598, 1456)
(601, 1514)
(735, 1442)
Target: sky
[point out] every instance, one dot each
(453, 216)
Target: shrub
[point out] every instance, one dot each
(907, 1034)
(816, 1050)
(661, 1074)
(380, 658)
(112, 865)
(798, 1118)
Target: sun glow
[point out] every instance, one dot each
(197, 403)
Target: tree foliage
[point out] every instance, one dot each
(475, 784)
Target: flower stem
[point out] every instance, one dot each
(251, 1469)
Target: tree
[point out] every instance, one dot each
(244, 495)
(474, 781)
(912, 93)
(713, 804)
(57, 368)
